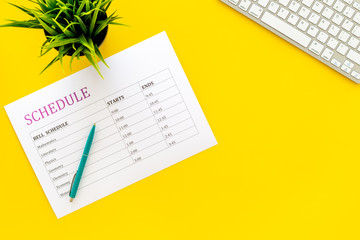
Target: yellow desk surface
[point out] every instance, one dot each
(287, 165)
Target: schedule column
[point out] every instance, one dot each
(169, 109)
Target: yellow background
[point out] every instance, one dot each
(287, 163)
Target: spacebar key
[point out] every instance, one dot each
(286, 29)
(354, 56)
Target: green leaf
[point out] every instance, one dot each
(57, 37)
(41, 4)
(61, 42)
(75, 54)
(46, 27)
(120, 24)
(42, 47)
(110, 20)
(98, 53)
(24, 9)
(60, 55)
(51, 3)
(66, 31)
(89, 12)
(91, 60)
(94, 18)
(103, 24)
(50, 11)
(65, 8)
(47, 19)
(71, 24)
(62, 52)
(51, 63)
(82, 25)
(105, 2)
(84, 42)
(93, 53)
(22, 24)
(108, 5)
(80, 7)
(87, 5)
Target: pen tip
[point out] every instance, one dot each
(94, 124)
(71, 199)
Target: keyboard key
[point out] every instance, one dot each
(286, 29)
(303, 25)
(318, 7)
(347, 25)
(337, 18)
(357, 18)
(344, 36)
(345, 69)
(273, 7)
(316, 47)
(314, 18)
(328, 13)
(327, 54)
(355, 75)
(324, 24)
(256, 11)
(245, 4)
(335, 62)
(284, 2)
(356, 5)
(353, 56)
(307, 2)
(313, 31)
(342, 49)
(263, 3)
(304, 12)
(294, 6)
(283, 13)
(348, 64)
(339, 6)
(235, 2)
(293, 19)
(334, 30)
(329, 2)
(356, 31)
(332, 43)
(353, 42)
(348, 1)
(322, 37)
(349, 12)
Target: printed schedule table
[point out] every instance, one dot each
(132, 124)
(146, 114)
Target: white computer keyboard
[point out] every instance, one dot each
(329, 30)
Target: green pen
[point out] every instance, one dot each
(77, 177)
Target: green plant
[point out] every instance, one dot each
(71, 26)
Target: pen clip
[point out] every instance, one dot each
(72, 183)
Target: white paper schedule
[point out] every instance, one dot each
(146, 114)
